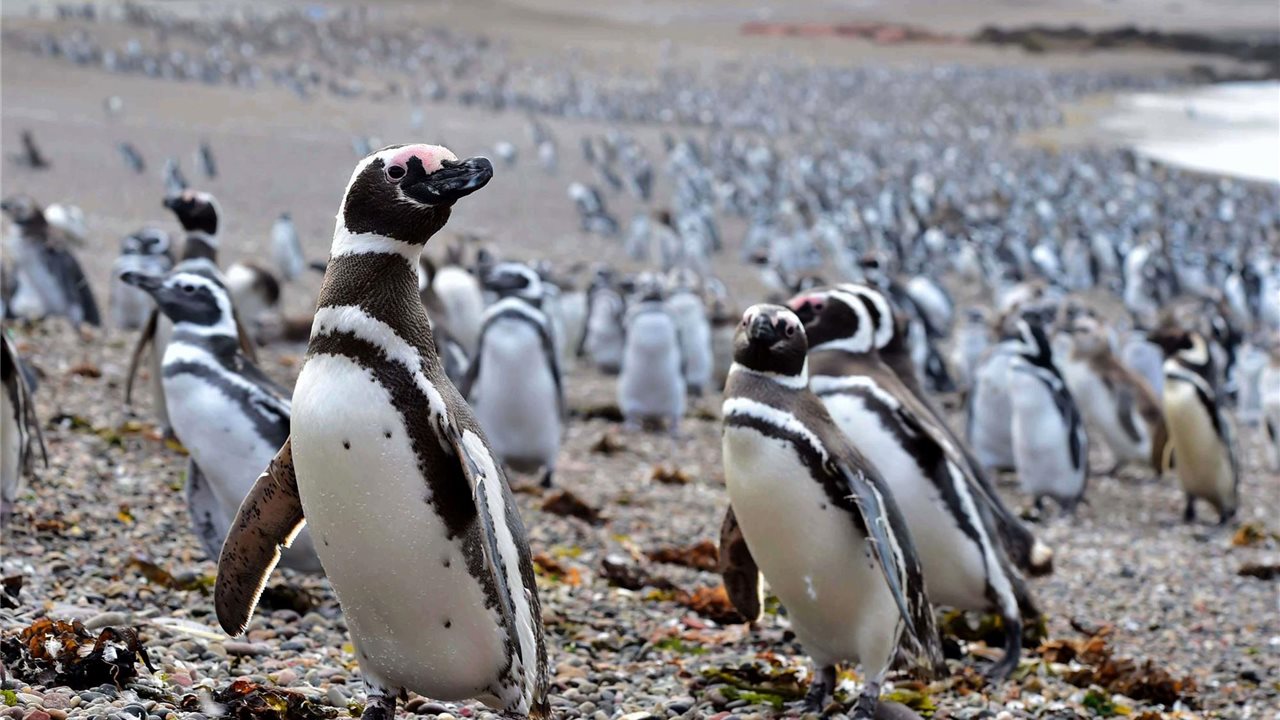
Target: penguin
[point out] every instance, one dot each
(1144, 357)
(255, 291)
(204, 157)
(31, 156)
(199, 214)
(689, 313)
(175, 183)
(892, 346)
(819, 523)
(605, 337)
(461, 299)
(514, 383)
(1050, 449)
(225, 411)
(147, 251)
(1204, 453)
(17, 423)
(573, 314)
(416, 527)
(651, 386)
(49, 279)
(988, 408)
(945, 507)
(286, 249)
(1112, 398)
(1269, 389)
(132, 157)
(723, 326)
(972, 339)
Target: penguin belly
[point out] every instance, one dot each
(515, 397)
(651, 385)
(463, 302)
(419, 620)
(1098, 405)
(811, 552)
(953, 563)
(573, 311)
(10, 453)
(990, 411)
(1041, 442)
(230, 453)
(1201, 459)
(130, 306)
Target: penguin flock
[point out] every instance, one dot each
(889, 296)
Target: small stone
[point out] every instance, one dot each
(106, 619)
(336, 697)
(27, 698)
(56, 713)
(244, 649)
(36, 715)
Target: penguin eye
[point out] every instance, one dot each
(395, 172)
(819, 306)
(188, 289)
(791, 330)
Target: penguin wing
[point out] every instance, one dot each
(1126, 405)
(144, 339)
(73, 280)
(268, 520)
(246, 342)
(741, 575)
(207, 516)
(895, 553)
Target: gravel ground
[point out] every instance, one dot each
(102, 534)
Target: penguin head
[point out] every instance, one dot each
(834, 320)
(405, 192)
(189, 296)
(513, 279)
(1088, 335)
(196, 210)
(1173, 339)
(146, 241)
(23, 210)
(771, 338)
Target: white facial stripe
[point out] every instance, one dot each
(354, 320)
(883, 331)
(824, 384)
(1198, 353)
(346, 242)
(518, 306)
(778, 418)
(795, 382)
(508, 559)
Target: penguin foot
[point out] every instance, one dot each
(1189, 513)
(547, 481)
(1225, 517)
(820, 688)
(379, 707)
(868, 701)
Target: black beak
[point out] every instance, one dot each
(454, 180)
(149, 283)
(762, 329)
(172, 201)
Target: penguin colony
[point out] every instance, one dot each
(851, 498)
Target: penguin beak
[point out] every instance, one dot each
(454, 180)
(763, 330)
(149, 283)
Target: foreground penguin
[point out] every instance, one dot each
(651, 386)
(1204, 452)
(17, 420)
(225, 411)
(817, 520)
(514, 382)
(952, 525)
(414, 522)
(1114, 399)
(49, 279)
(1050, 449)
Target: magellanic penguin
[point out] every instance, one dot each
(651, 385)
(688, 312)
(818, 521)
(514, 382)
(893, 348)
(1269, 389)
(951, 522)
(1204, 452)
(286, 248)
(146, 251)
(17, 421)
(198, 213)
(413, 519)
(1114, 399)
(604, 338)
(49, 279)
(225, 411)
(1050, 448)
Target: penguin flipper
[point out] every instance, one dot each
(268, 520)
(247, 345)
(208, 519)
(741, 575)
(144, 339)
(895, 553)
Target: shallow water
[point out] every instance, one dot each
(1230, 128)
